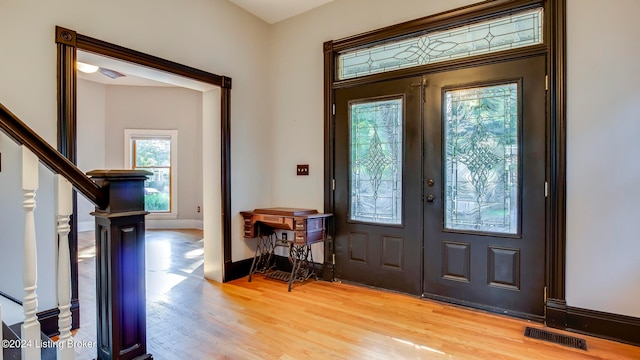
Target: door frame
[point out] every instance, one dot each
(554, 47)
(67, 43)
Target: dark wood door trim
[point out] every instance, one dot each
(329, 148)
(225, 153)
(68, 42)
(67, 87)
(556, 255)
(100, 47)
(554, 47)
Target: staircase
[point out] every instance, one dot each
(13, 342)
(119, 199)
(10, 346)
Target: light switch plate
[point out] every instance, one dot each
(303, 169)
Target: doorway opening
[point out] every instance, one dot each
(215, 99)
(411, 64)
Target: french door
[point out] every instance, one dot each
(378, 208)
(484, 182)
(440, 185)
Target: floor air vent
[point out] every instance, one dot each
(565, 340)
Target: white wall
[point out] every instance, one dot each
(603, 261)
(212, 35)
(12, 226)
(12, 213)
(603, 171)
(297, 78)
(91, 141)
(269, 112)
(211, 196)
(162, 108)
(297, 74)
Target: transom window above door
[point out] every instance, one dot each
(503, 33)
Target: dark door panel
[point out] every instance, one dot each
(484, 148)
(378, 201)
(440, 185)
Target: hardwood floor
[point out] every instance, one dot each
(189, 317)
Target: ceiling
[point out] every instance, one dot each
(273, 11)
(136, 75)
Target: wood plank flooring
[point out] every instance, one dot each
(189, 317)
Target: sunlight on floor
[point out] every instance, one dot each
(194, 254)
(160, 283)
(422, 347)
(158, 254)
(169, 263)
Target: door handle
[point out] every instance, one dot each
(429, 198)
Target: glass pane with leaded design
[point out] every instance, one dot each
(507, 32)
(375, 163)
(481, 161)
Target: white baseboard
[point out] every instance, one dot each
(174, 224)
(153, 224)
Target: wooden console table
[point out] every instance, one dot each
(308, 227)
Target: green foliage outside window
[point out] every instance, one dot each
(154, 155)
(156, 202)
(153, 152)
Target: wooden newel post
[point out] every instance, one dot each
(120, 267)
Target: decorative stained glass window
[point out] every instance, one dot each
(375, 164)
(508, 32)
(481, 161)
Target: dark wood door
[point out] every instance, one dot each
(378, 203)
(484, 185)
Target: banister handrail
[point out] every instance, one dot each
(22, 134)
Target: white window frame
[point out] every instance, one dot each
(130, 134)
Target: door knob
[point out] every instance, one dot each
(430, 182)
(429, 198)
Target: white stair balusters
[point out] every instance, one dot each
(31, 326)
(65, 341)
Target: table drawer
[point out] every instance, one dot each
(308, 237)
(300, 225)
(308, 224)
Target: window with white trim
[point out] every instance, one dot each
(155, 151)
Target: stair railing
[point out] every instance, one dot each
(119, 199)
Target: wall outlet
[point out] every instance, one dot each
(198, 208)
(302, 169)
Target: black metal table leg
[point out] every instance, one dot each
(301, 270)
(294, 270)
(263, 255)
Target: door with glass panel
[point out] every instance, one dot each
(378, 203)
(484, 186)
